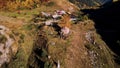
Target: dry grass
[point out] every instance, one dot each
(15, 5)
(23, 38)
(66, 5)
(76, 57)
(27, 14)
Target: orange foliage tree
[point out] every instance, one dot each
(65, 21)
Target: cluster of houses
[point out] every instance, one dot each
(51, 18)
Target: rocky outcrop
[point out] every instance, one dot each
(5, 45)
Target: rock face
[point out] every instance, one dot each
(107, 24)
(5, 45)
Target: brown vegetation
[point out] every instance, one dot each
(20, 4)
(45, 48)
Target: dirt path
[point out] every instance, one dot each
(76, 53)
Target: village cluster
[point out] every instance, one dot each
(51, 18)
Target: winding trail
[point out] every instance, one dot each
(76, 53)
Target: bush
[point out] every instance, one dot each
(82, 17)
(3, 39)
(118, 42)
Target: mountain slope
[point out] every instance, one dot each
(90, 3)
(40, 46)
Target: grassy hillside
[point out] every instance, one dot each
(40, 46)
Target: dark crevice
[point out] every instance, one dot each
(39, 54)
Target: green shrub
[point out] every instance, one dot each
(22, 36)
(82, 17)
(118, 42)
(44, 53)
(48, 65)
(21, 40)
(3, 39)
